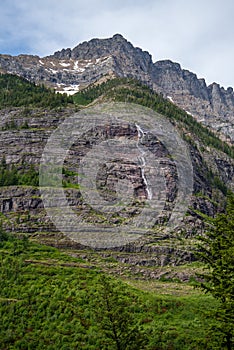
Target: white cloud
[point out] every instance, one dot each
(197, 33)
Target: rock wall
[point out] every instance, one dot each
(25, 146)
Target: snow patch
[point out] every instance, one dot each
(76, 65)
(189, 113)
(60, 84)
(77, 68)
(64, 64)
(50, 70)
(41, 62)
(170, 99)
(81, 70)
(89, 64)
(69, 90)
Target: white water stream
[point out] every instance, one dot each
(143, 162)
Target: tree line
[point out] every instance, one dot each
(10, 175)
(18, 92)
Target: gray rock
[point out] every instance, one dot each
(69, 70)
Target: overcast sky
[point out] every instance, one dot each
(196, 33)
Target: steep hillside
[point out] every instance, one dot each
(49, 300)
(24, 136)
(131, 90)
(16, 92)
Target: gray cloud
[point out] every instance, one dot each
(197, 33)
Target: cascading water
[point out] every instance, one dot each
(143, 162)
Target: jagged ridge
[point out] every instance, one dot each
(70, 70)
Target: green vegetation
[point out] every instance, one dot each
(130, 90)
(49, 300)
(217, 251)
(11, 176)
(116, 321)
(27, 175)
(18, 92)
(216, 182)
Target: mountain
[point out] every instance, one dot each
(71, 70)
(104, 71)
(24, 133)
(211, 105)
(130, 149)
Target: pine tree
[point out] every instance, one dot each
(112, 309)
(216, 249)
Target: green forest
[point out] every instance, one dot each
(10, 175)
(19, 92)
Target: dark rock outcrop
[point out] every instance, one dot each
(212, 105)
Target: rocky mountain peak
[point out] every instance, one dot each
(97, 48)
(167, 65)
(70, 70)
(211, 105)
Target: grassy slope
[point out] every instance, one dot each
(47, 302)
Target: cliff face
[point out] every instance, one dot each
(211, 105)
(22, 207)
(127, 58)
(69, 70)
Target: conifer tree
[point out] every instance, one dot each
(216, 249)
(112, 309)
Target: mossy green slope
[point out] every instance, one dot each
(49, 300)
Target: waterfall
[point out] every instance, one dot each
(143, 162)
